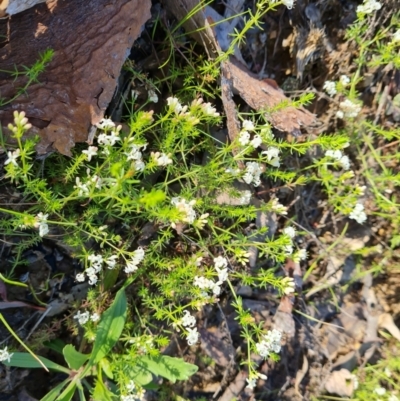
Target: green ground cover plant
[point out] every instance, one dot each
(162, 174)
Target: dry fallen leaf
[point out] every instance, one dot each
(91, 40)
(340, 382)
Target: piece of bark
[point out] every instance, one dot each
(263, 95)
(91, 40)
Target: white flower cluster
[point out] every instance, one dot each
(272, 155)
(252, 174)
(288, 3)
(278, 207)
(161, 159)
(90, 152)
(41, 223)
(330, 88)
(206, 108)
(344, 80)
(12, 157)
(343, 160)
(245, 198)
(135, 394)
(271, 342)
(96, 263)
(369, 6)
(221, 266)
(301, 254)
(288, 285)
(135, 154)
(358, 213)
(244, 135)
(188, 321)
(251, 382)
(185, 208)
(84, 188)
(348, 109)
(109, 139)
(84, 317)
(132, 264)
(5, 355)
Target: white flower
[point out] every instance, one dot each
(82, 317)
(131, 386)
(251, 383)
(349, 109)
(272, 155)
(256, 141)
(330, 88)
(358, 213)
(380, 390)
(83, 189)
(12, 157)
(288, 249)
(111, 261)
(192, 336)
(387, 372)
(393, 398)
(220, 261)
(188, 320)
(222, 275)
(289, 285)
(369, 6)
(80, 277)
(277, 207)
(186, 208)
(161, 159)
(301, 254)
(289, 3)
(95, 261)
(360, 190)
(252, 174)
(396, 36)
(105, 123)
(41, 223)
(137, 257)
(91, 151)
(113, 138)
(245, 198)
(92, 279)
(174, 105)
(344, 80)
(248, 125)
(216, 289)
(202, 220)
(95, 317)
(244, 138)
(209, 110)
(5, 355)
(134, 153)
(203, 283)
(139, 165)
(344, 161)
(340, 114)
(152, 95)
(271, 342)
(290, 231)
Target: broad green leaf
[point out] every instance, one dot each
(68, 393)
(56, 345)
(53, 394)
(172, 369)
(101, 392)
(106, 366)
(110, 278)
(74, 358)
(110, 328)
(25, 360)
(140, 375)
